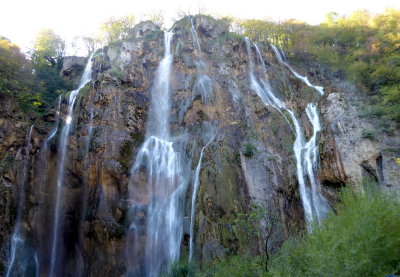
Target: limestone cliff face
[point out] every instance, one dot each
(249, 160)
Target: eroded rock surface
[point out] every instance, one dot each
(110, 125)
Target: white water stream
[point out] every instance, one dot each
(18, 237)
(164, 179)
(63, 143)
(306, 154)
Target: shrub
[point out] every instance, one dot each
(370, 134)
(235, 266)
(182, 269)
(362, 239)
(249, 150)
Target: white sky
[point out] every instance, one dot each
(21, 20)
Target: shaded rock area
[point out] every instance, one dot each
(250, 160)
(73, 67)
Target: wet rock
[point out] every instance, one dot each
(73, 67)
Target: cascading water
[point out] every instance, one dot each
(196, 184)
(164, 182)
(63, 143)
(18, 243)
(90, 131)
(320, 204)
(203, 83)
(194, 35)
(314, 204)
(303, 78)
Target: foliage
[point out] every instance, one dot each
(48, 48)
(91, 43)
(249, 150)
(182, 269)
(157, 17)
(260, 224)
(125, 155)
(15, 70)
(6, 161)
(361, 239)
(47, 60)
(116, 29)
(34, 83)
(235, 266)
(370, 134)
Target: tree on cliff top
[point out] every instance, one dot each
(116, 29)
(15, 69)
(48, 48)
(47, 59)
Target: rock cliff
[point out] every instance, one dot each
(250, 160)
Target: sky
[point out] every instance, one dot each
(21, 20)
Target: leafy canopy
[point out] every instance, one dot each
(116, 29)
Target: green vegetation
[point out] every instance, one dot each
(6, 161)
(260, 224)
(125, 155)
(361, 46)
(35, 83)
(360, 240)
(235, 266)
(182, 269)
(249, 150)
(370, 134)
(47, 61)
(116, 29)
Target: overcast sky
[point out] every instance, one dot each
(21, 20)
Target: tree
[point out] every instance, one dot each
(47, 60)
(91, 43)
(15, 69)
(48, 48)
(157, 17)
(360, 239)
(262, 223)
(116, 29)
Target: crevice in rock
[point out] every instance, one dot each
(379, 170)
(368, 172)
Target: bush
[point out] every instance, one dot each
(370, 134)
(182, 269)
(249, 150)
(235, 266)
(362, 239)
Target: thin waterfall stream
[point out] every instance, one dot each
(63, 143)
(18, 236)
(196, 184)
(303, 78)
(203, 83)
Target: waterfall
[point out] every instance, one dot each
(196, 184)
(90, 132)
(320, 204)
(314, 204)
(203, 83)
(18, 236)
(165, 183)
(63, 143)
(194, 35)
(303, 78)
